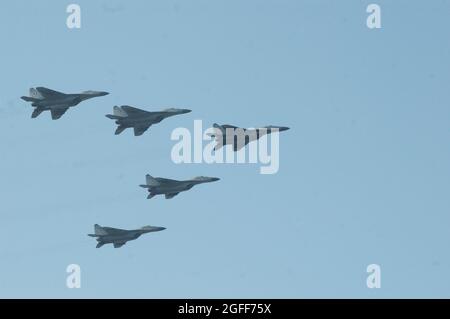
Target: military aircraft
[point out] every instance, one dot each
(57, 103)
(140, 120)
(240, 137)
(119, 237)
(170, 188)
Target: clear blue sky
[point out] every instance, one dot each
(364, 171)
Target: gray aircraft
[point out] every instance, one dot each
(57, 103)
(240, 137)
(119, 237)
(170, 188)
(140, 120)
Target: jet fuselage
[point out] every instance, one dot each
(240, 137)
(119, 238)
(170, 188)
(174, 187)
(132, 120)
(68, 100)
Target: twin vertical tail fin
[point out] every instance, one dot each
(151, 181)
(118, 111)
(35, 94)
(219, 136)
(99, 231)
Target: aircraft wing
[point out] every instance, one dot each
(133, 111)
(120, 129)
(171, 195)
(118, 245)
(58, 112)
(47, 93)
(139, 130)
(36, 112)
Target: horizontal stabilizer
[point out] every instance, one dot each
(29, 99)
(113, 117)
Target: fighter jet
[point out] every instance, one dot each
(57, 103)
(240, 137)
(170, 188)
(119, 237)
(128, 116)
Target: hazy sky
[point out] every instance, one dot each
(364, 171)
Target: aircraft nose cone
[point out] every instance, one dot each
(161, 228)
(283, 128)
(215, 179)
(103, 93)
(186, 111)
